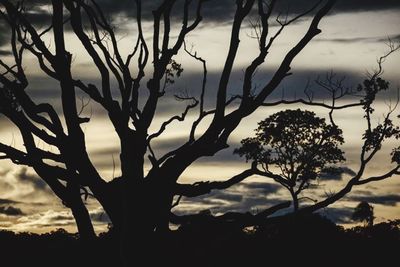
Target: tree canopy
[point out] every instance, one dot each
(298, 144)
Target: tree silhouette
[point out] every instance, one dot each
(139, 202)
(364, 212)
(299, 144)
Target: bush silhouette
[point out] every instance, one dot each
(364, 212)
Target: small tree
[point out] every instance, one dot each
(364, 212)
(298, 143)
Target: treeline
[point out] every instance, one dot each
(311, 240)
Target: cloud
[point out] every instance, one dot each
(266, 188)
(4, 37)
(215, 11)
(4, 52)
(7, 201)
(241, 197)
(394, 38)
(20, 185)
(365, 5)
(57, 218)
(29, 179)
(49, 218)
(99, 216)
(42, 89)
(11, 211)
(375, 39)
(336, 173)
(349, 40)
(338, 215)
(388, 200)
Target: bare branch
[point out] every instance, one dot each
(182, 117)
(284, 68)
(203, 89)
(394, 171)
(310, 103)
(201, 188)
(241, 13)
(240, 220)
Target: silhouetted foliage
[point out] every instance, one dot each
(317, 239)
(299, 144)
(364, 212)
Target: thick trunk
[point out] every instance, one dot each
(140, 215)
(138, 229)
(139, 211)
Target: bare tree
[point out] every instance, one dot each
(137, 203)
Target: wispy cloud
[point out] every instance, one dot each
(387, 200)
(368, 39)
(54, 218)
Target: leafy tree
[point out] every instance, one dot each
(364, 212)
(297, 143)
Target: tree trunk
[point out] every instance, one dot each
(145, 208)
(80, 212)
(139, 211)
(83, 221)
(295, 200)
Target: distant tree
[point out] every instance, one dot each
(298, 144)
(364, 212)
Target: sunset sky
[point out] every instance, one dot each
(353, 36)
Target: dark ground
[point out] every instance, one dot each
(311, 241)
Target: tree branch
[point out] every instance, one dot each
(201, 188)
(241, 13)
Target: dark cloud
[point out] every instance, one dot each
(394, 38)
(388, 200)
(217, 11)
(265, 188)
(366, 5)
(38, 184)
(222, 10)
(341, 5)
(4, 52)
(44, 89)
(99, 216)
(350, 40)
(4, 38)
(377, 39)
(11, 211)
(7, 201)
(336, 173)
(231, 197)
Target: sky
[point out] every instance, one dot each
(353, 36)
